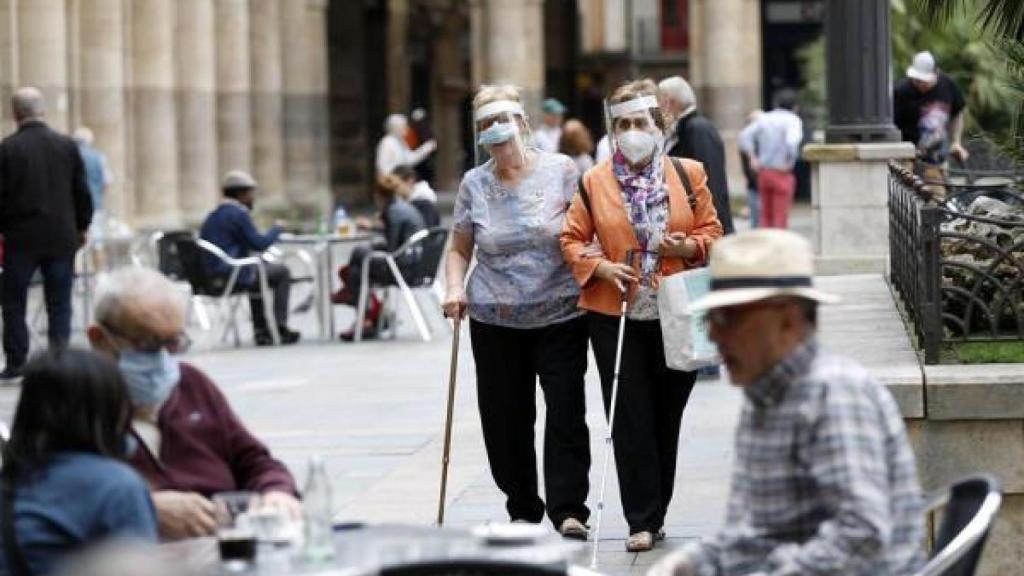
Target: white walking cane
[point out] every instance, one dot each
(457, 320)
(611, 425)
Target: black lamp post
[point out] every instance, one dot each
(858, 72)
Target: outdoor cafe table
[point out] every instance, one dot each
(365, 549)
(322, 247)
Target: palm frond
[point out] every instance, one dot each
(939, 10)
(1004, 17)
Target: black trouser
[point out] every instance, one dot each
(508, 362)
(58, 279)
(380, 272)
(280, 281)
(649, 410)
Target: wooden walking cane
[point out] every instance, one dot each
(448, 418)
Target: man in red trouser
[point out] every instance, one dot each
(773, 144)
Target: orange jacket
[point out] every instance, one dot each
(609, 220)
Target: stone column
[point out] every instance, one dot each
(101, 91)
(153, 115)
(8, 62)
(725, 40)
(859, 72)
(198, 171)
(512, 40)
(397, 57)
(234, 114)
(267, 102)
(43, 54)
(448, 95)
(305, 102)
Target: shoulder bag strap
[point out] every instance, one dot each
(16, 563)
(690, 196)
(584, 195)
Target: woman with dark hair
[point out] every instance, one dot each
(398, 221)
(64, 482)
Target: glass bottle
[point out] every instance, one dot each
(318, 513)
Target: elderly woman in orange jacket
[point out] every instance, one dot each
(652, 216)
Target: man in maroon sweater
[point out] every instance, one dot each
(190, 444)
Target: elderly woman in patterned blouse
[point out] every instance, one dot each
(523, 320)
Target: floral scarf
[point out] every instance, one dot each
(646, 197)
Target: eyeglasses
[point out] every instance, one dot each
(731, 316)
(178, 344)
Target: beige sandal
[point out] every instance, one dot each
(640, 542)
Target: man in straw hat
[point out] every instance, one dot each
(824, 480)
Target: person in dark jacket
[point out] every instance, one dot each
(230, 227)
(45, 211)
(190, 443)
(398, 221)
(694, 136)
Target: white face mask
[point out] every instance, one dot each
(636, 145)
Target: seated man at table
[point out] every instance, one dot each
(824, 480)
(230, 228)
(189, 444)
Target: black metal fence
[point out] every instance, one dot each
(957, 259)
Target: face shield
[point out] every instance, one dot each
(498, 129)
(634, 133)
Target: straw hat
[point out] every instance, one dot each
(758, 264)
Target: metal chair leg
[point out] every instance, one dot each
(410, 300)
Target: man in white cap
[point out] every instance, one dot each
(824, 480)
(230, 228)
(928, 108)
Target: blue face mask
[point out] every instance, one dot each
(150, 376)
(498, 133)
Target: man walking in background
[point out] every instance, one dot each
(45, 210)
(773, 144)
(97, 172)
(928, 108)
(692, 135)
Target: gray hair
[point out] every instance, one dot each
(83, 135)
(678, 89)
(395, 121)
(132, 285)
(28, 104)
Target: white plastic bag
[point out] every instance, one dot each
(687, 346)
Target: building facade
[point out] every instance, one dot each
(179, 91)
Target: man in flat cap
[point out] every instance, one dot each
(230, 227)
(824, 480)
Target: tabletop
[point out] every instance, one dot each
(366, 549)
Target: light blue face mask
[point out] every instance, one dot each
(498, 133)
(150, 376)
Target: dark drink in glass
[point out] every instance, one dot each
(237, 547)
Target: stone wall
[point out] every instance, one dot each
(973, 421)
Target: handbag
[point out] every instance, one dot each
(685, 335)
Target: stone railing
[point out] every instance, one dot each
(957, 259)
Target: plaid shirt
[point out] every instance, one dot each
(824, 480)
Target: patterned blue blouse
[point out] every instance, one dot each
(520, 279)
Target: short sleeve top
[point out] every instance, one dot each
(520, 279)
